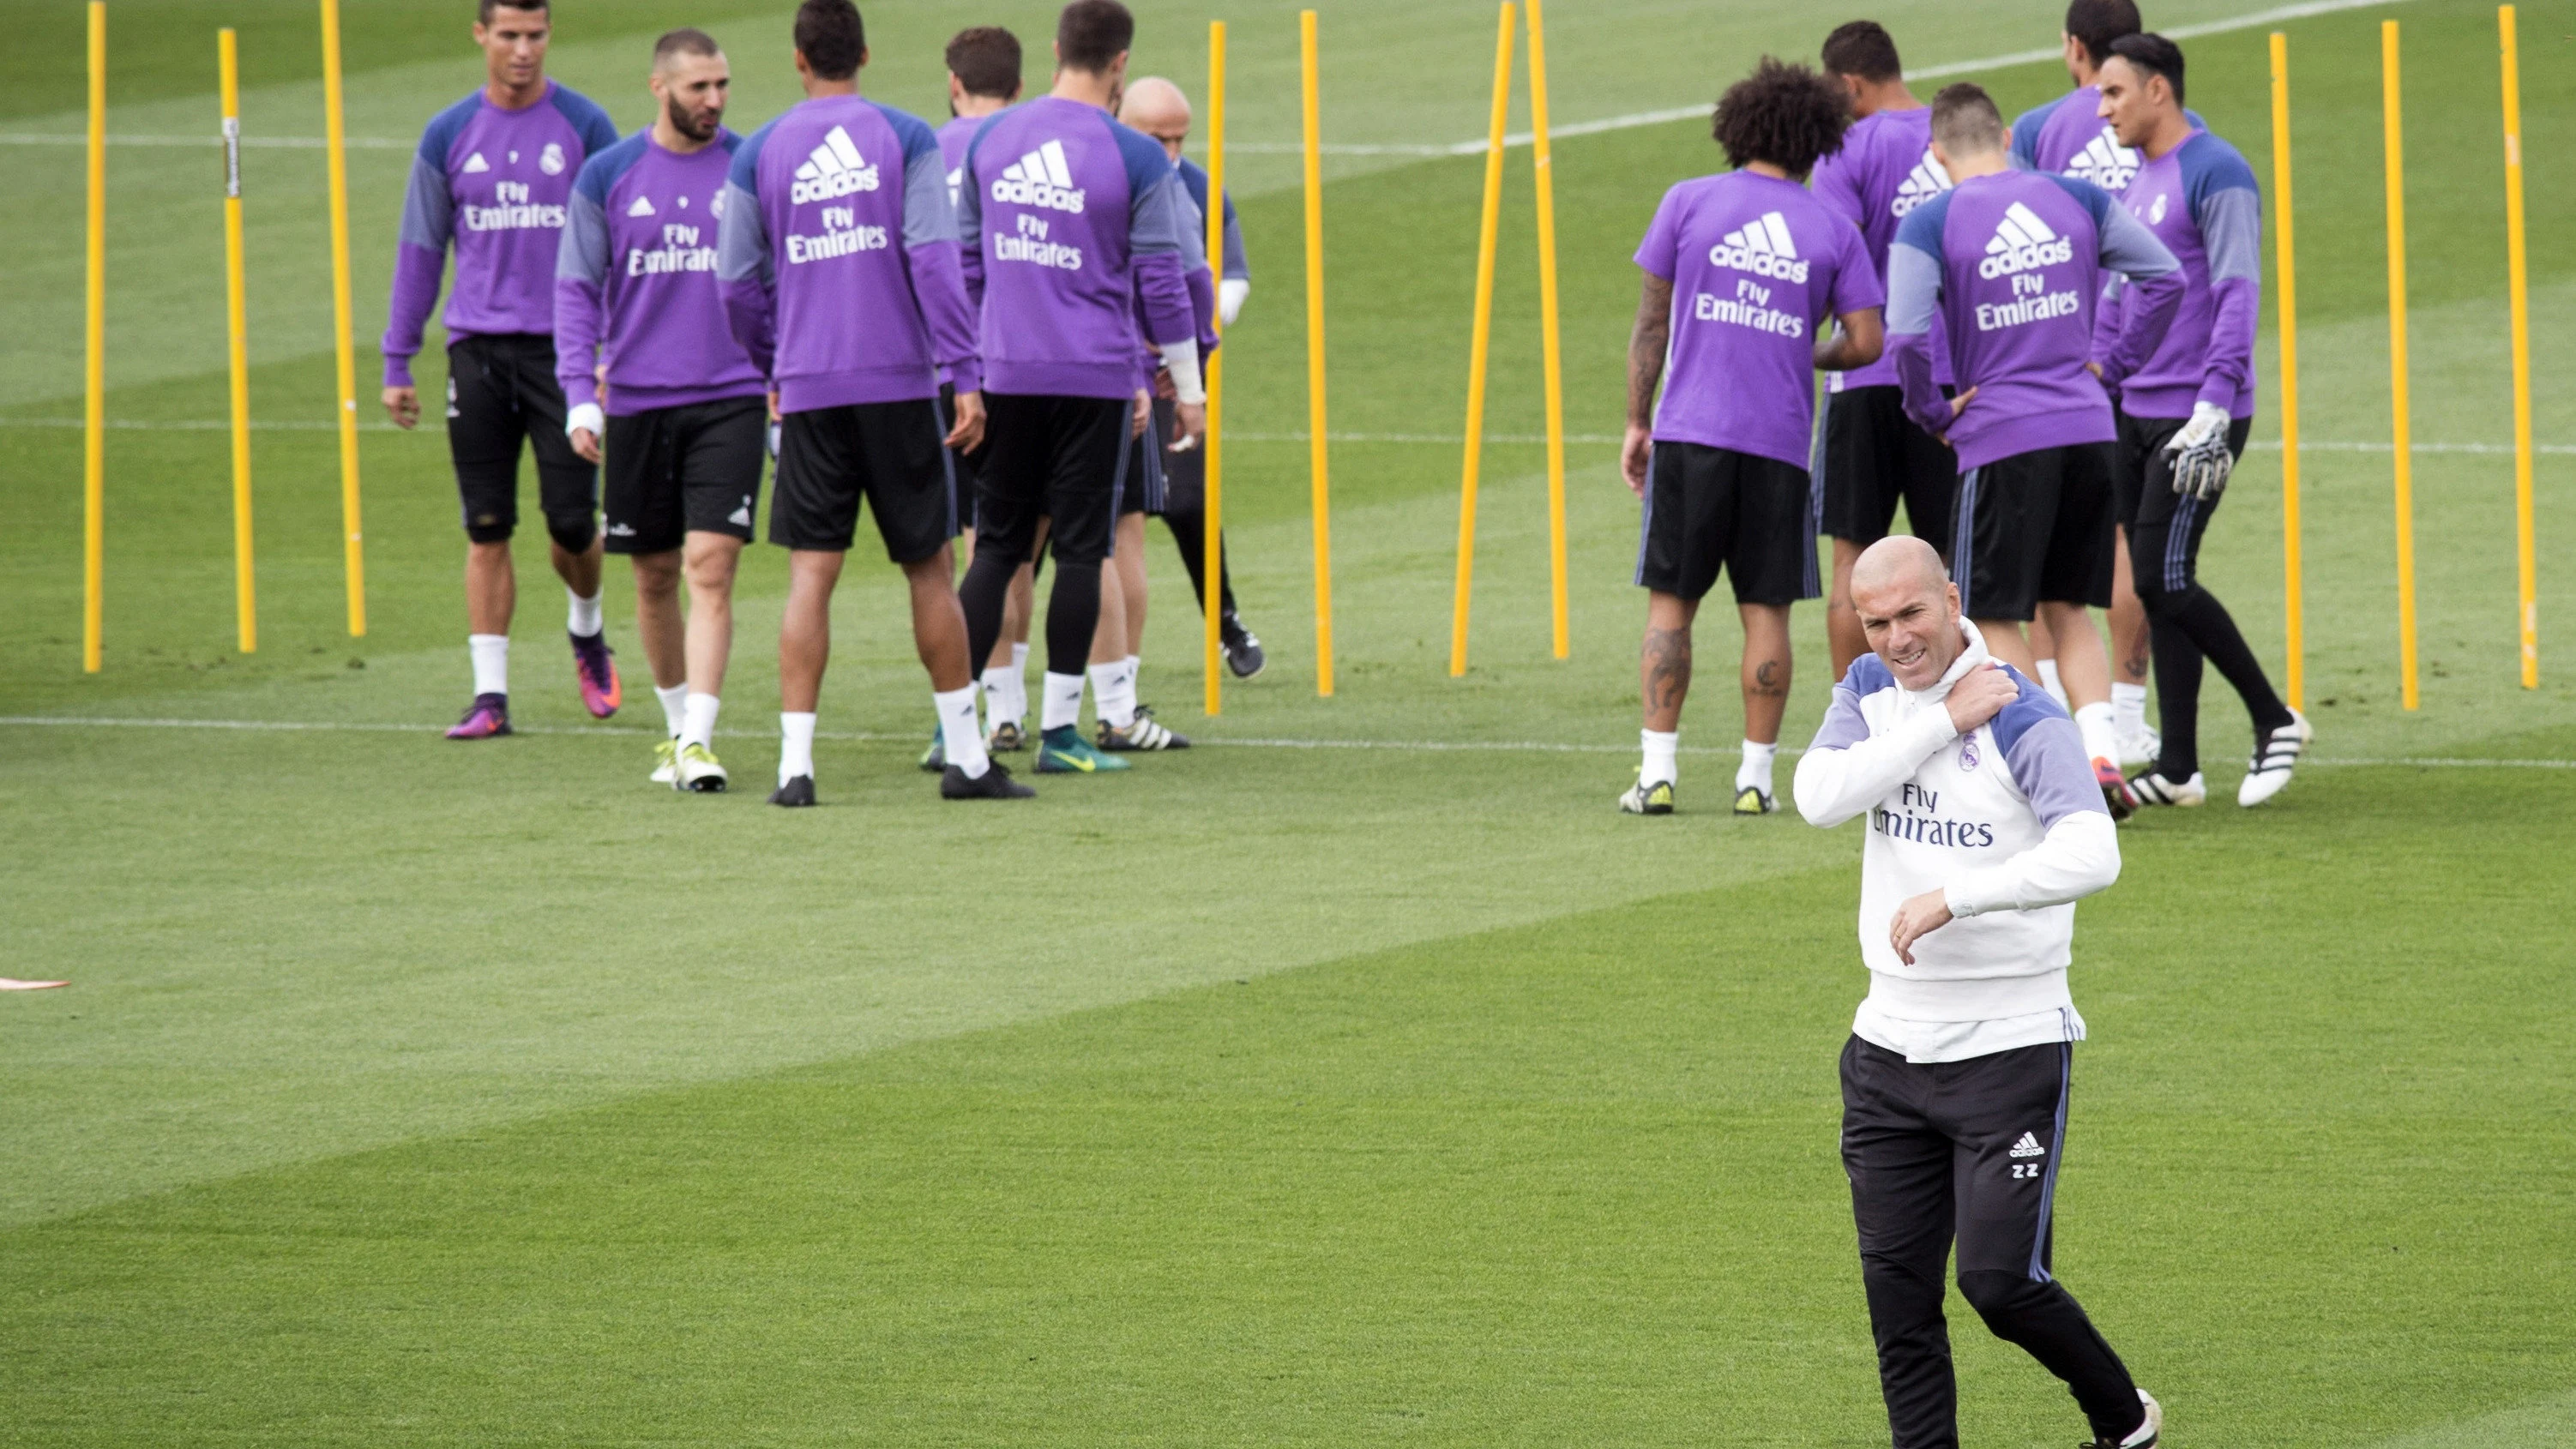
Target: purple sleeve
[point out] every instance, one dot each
(1657, 252)
(2106, 320)
(2048, 763)
(581, 265)
(1836, 183)
(1913, 310)
(1856, 285)
(420, 258)
(1203, 307)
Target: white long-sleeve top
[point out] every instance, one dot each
(2006, 821)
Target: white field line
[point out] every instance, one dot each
(1552, 747)
(1475, 147)
(1446, 440)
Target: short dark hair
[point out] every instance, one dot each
(687, 40)
(1784, 114)
(1865, 49)
(986, 61)
(1092, 33)
(2155, 55)
(483, 12)
(831, 37)
(1964, 118)
(2097, 23)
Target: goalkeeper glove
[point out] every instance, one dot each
(2200, 457)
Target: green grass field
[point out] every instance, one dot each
(1360, 1078)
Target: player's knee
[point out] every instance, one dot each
(2161, 602)
(489, 527)
(573, 532)
(2000, 1298)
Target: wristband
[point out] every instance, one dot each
(586, 417)
(1181, 360)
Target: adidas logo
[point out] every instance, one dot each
(620, 530)
(2028, 1146)
(833, 171)
(2021, 243)
(475, 165)
(2105, 162)
(1041, 178)
(643, 207)
(1925, 181)
(740, 517)
(1761, 247)
(956, 179)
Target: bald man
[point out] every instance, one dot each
(1158, 108)
(1985, 828)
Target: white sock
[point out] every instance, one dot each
(1135, 676)
(2100, 740)
(1756, 769)
(2048, 681)
(2129, 710)
(1114, 690)
(583, 618)
(491, 654)
(795, 746)
(1063, 705)
(700, 726)
(957, 731)
(1663, 750)
(1019, 695)
(674, 701)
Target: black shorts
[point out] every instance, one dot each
(1707, 507)
(895, 454)
(2164, 528)
(1059, 458)
(501, 390)
(2035, 527)
(1184, 474)
(1148, 486)
(689, 469)
(1871, 456)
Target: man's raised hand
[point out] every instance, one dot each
(1980, 697)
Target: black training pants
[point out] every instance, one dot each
(1967, 1150)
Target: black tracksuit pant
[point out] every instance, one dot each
(1967, 1151)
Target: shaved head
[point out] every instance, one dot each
(1156, 107)
(1908, 608)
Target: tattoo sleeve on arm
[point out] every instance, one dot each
(1646, 348)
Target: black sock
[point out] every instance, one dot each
(1189, 535)
(987, 584)
(2199, 627)
(1073, 613)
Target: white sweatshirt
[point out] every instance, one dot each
(2007, 822)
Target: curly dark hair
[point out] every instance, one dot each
(1784, 114)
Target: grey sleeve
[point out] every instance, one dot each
(1158, 221)
(742, 239)
(928, 213)
(2231, 232)
(583, 257)
(969, 206)
(1914, 289)
(1236, 267)
(2130, 249)
(429, 210)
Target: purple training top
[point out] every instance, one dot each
(496, 183)
(2068, 136)
(2011, 264)
(952, 139)
(2201, 201)
(635, 284)
(816, 286)
(1883, 171)
(1758, 267)
(1074, 225)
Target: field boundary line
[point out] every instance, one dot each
(1628, 122)
(1552, 747)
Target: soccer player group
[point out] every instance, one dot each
(992, 330)
(2038, 339)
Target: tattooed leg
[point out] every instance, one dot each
(1663, 674)
(1766, 670)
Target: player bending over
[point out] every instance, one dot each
(2009, 263)
(1745, 272)
(1870, 455)
(494, 177)
(1984, 830)
(2185, 412)
(839, 262)
(1072, 223)
(652, 371)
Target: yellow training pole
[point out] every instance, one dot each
(336, 129)
(2293, 585)
(1213, 545)
(1482, 341)
(2525, 546)
(2395, 134)
(94, 412)
(1316, 449)
(245, 598)
(1548, 342)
